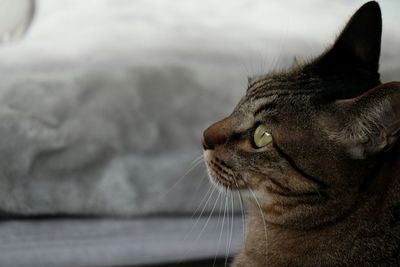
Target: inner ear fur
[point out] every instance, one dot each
(370, 123)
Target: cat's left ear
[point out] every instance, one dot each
(359, 44)
(369, 123)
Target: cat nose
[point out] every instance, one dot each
(207, 144)
(217, 134)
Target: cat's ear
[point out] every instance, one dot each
(358, 46)
(370, 123)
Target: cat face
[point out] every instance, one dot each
(287, 115)
(310, 135)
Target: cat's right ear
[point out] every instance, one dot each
(358, 46)
(369, 123)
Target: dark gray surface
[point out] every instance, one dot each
(114, 242)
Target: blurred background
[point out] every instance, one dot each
(102, 106)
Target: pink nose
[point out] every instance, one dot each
(217, 134)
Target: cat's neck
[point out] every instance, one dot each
(373, 214)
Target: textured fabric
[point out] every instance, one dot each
(115, 242)
(88, 143)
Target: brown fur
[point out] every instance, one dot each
(326, 191)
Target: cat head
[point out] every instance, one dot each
(311, 134)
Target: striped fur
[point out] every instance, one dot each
(327, 189)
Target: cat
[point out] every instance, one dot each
(317, 146)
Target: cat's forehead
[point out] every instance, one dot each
(276, 91)
(281, 83)
(270, 86)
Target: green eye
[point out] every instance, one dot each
(261, 136)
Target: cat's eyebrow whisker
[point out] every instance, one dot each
(282, 46)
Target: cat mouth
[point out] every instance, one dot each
(221, 174)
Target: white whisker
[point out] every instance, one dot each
(205, 205)
(201, 213)
(209, 217)
(179, 180)
(227, 231)
(241, 210)
(205, 225)
(222, 230)
(200, 157)
(202, 200)
(242, 213)
(263, 219)
(195, 196)
(218, 223)
(231, 231)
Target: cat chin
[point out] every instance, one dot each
(215, 182)
(211, 174)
